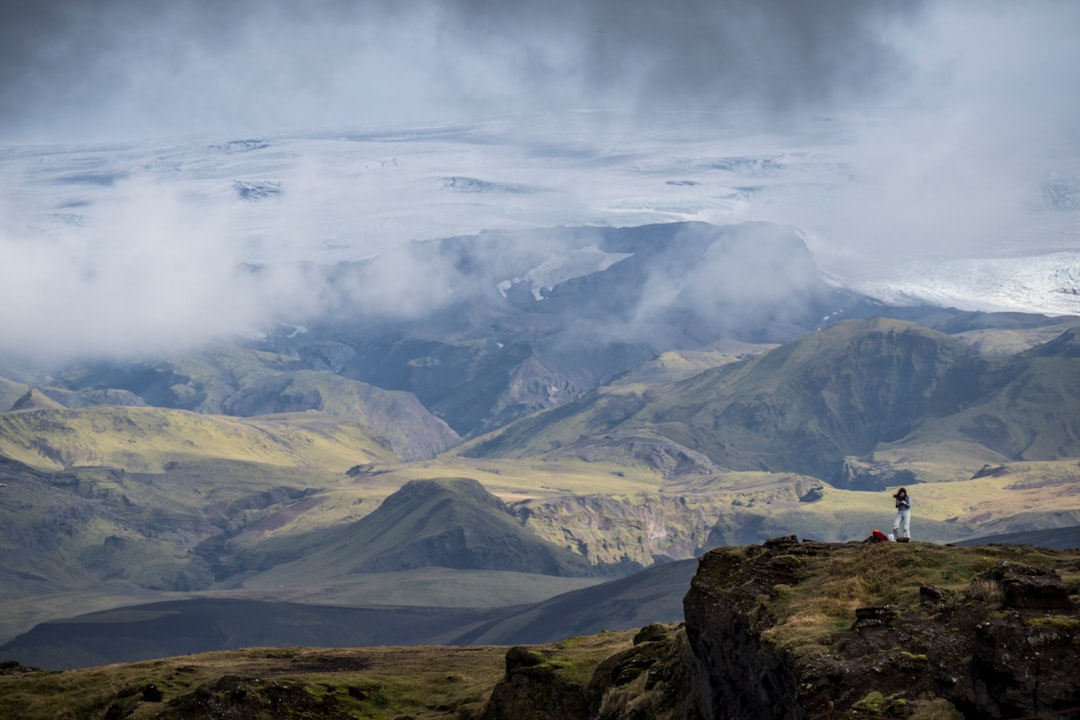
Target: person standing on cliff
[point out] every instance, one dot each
(902, 523)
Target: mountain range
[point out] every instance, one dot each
(585, 403)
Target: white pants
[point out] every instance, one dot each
(902, 524)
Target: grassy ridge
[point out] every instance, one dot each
(230, 380)
(146, 439)
(374, 683)
(378, 683)
(805, 616)
(844, 392)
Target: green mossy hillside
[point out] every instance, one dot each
(841, 394)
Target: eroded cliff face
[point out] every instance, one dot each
(736, 673)
(785, 630)
(647, 681)
(793, 630)
(633, 531)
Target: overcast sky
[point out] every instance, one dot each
(118, 69)
(954, 112)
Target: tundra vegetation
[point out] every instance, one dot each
(894, 630)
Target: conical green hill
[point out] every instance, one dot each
(450, 522)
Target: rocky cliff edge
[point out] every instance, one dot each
(808, 630)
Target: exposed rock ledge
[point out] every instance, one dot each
(804, 630)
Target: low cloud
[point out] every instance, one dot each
(953, 166)
(142, 271)
(942, 121)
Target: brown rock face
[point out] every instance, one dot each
(1004, 648)
(736, 673)
(795, 630)
(645, 682)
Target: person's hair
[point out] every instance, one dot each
(898, 492)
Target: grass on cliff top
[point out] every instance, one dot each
(384, 682)
(810, 613)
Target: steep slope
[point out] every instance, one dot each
(815, 404)
(396, 417)
(1027, 408)
(38, 516)
(806, 406)
(34, 399)
(1029, 411)
(1065, 345)
(652, 595)
(91, 538)
(10, 392)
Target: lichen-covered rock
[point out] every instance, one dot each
(534, 689)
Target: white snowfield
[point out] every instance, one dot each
(87, 230)
(1046, 283)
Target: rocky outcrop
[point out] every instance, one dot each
(806, 630)
(34, 399)
(870, 477)
(533, 689)
(757, 621)
(736, 673)
(645, 682)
